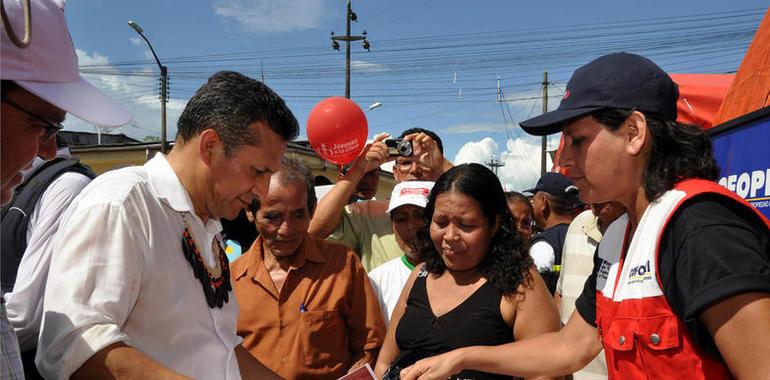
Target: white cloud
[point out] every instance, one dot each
(366, 66)
(137, 41)
(476, 151)
(521, 158)
(272, 16)
(91, 60)
(136, 93)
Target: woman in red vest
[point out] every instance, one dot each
(681, 283)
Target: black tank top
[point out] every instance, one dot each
(475, 322)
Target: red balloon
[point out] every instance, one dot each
(337, 130)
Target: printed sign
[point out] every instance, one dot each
(743, 154)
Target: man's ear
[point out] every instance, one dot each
(545, 205)
(208, 143)
(636, 131)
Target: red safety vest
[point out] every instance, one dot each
(642, 336)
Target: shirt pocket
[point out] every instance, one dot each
(659, 333)
(652, 335)
(323, 338)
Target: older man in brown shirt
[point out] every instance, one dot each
(307, 309)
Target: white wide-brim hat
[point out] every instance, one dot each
(48, 66)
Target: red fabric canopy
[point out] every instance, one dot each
(751, 88)
(700, 96)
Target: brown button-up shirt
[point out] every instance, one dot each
(325, 318)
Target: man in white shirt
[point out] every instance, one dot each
(577, 261)
(40, 85)
(28, 230)
(555, 196)
(140, 285)
(407, 202)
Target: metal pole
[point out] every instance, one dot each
(544, 142)
(163, 101)
(347, 53)
(163, 85)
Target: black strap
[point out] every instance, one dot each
(15, 216)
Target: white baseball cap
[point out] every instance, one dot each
(410, 193)
(48, 66)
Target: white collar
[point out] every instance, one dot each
(168, 187)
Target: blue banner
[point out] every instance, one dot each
(743, 154)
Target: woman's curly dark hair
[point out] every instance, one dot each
(679, 151)
(507, 264)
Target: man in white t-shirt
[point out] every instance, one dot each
(407, 202)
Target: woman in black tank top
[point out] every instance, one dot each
(477, 285)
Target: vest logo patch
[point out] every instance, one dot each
(604, 270)
(640, 273)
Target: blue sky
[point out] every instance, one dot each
(432, 64)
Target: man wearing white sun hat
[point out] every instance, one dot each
(407, 202)
(40, 85)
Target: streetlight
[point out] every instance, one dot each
(163, 85)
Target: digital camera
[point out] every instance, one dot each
(399, 147)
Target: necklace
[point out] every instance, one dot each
(214, 280)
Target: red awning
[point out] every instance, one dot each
(700, 96)
(751, 88)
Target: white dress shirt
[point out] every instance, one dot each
(577, 263)
(120, 275)
(388, 281)
(25, 303)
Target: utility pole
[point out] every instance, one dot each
(544, 144)
(163, 101)
(163, 85)
(351, 16)
(494, 164)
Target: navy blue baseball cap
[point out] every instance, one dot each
(558, 185)
(618, 80)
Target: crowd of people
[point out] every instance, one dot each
(635, 264)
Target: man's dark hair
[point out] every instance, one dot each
(7, 86)
(506, 264)
(559, 206)
(229, 103)
(432, 135)
(515, 196)
(293, 171)
(679, 151)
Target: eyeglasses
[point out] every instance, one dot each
(50, 127)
